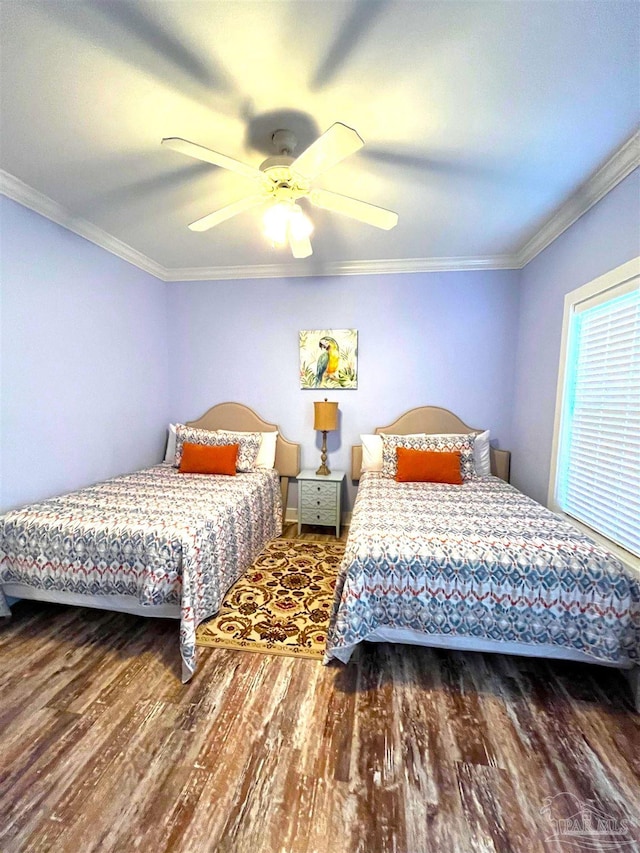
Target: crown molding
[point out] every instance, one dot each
(17, 190)
(602, 181)
(342, 268)
(25, 195)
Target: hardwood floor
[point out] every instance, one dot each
(405, 749)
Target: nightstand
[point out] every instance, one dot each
(319, 499)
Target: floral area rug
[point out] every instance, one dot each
(281, 606)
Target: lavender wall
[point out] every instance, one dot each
(605, 237)
(83, 361)
(444, 339)
(92, 370)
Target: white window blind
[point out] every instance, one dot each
(598, 478)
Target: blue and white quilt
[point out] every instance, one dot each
(159, 536)
(480, 561)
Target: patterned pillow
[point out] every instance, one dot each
(249, 447)
(249, 444)
(450, 442)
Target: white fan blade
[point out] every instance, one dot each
(333, 146)
(201, 153)
(300, 246)
(361, 210)
(226, 212)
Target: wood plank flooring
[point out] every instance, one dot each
(405, 750)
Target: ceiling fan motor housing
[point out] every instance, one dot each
(282, 182)
(282, 161)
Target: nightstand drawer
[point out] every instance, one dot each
(326, 501)
(314, 491)
(318, 516)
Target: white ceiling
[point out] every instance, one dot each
(480, 119)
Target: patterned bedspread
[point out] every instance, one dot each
(160, 536)
(480, 561)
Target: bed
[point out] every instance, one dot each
(157, 542)
(477, 566)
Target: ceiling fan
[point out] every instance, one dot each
(282, 180)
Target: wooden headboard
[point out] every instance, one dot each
(431, 419)
(236, 416)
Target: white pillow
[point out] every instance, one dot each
(481, 454)
(266, 457)
(371, 452)
(170, 453)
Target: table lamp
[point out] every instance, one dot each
(325, 419)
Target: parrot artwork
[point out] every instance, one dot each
(328, 359)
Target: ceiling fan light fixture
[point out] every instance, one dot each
(284, 220)
(300, 225)
(275, 222)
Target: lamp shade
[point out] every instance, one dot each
(325, 416)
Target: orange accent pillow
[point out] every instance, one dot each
(205, 459)
(428, 466)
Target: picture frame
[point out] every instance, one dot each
(328, 359)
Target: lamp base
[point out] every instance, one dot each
(323, 470)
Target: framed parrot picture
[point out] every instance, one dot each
(329, 358)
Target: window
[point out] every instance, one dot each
(595, 477)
